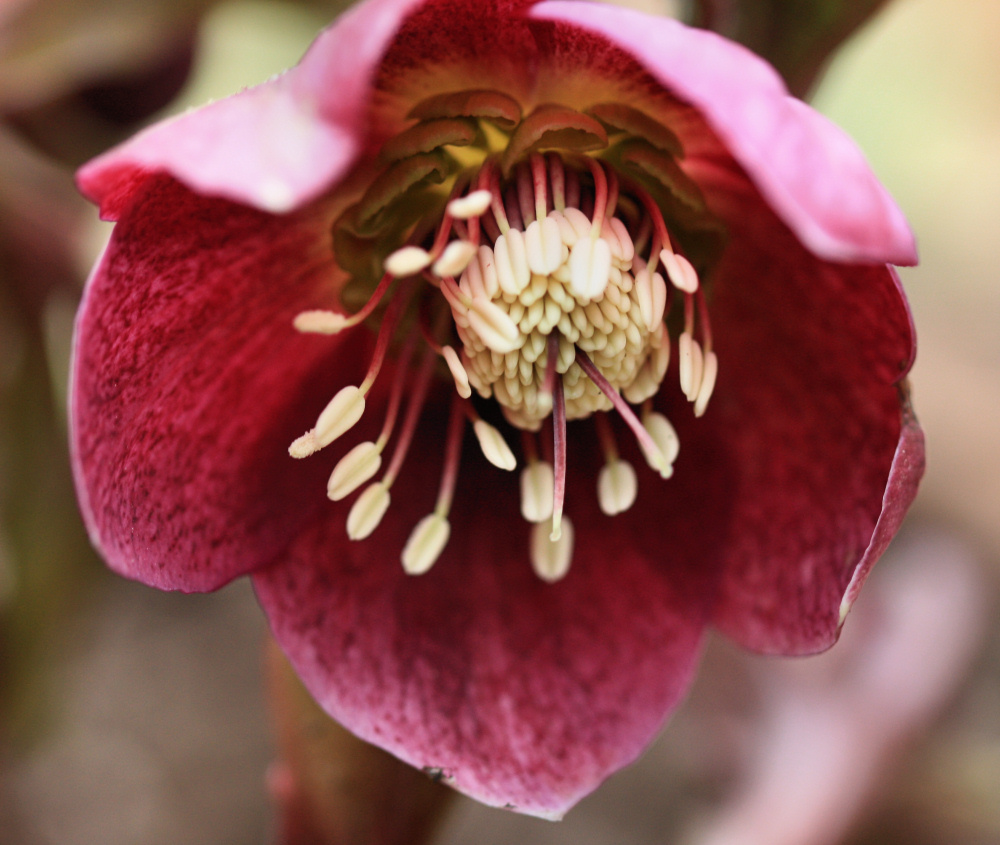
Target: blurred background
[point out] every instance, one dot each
(131, 716)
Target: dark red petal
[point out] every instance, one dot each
(521, 693)
(808, 404)
(189, 382)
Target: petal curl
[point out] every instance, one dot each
(274, 147)
(189, 382)
(520, 693)
(811, 173)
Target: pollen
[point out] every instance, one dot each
(548, 280)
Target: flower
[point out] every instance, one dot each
(411, 137)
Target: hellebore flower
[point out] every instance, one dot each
(532, 210)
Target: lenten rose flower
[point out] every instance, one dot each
(565, 227)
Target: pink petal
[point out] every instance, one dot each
(808, 409)
(809, 171)
(274, 147)
(189, 383)
(521, 693)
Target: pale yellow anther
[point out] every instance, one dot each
(488, 269)
(454, 259)
(340, 414)
(709, 374)
(320, 322)
(510, 253)
(685, 361)
(651, 292)
(626, 245)
(353, 470)
(537, 486)
(697, 370)
(579, 223)
(494, 447)
(407, 261)
(425, 544)
(367, 512)
(471, 205)
(682, 275)
(494, 327)
(664, 436)
(304, 446)
(458, 372)
(544, 246)
(551, 558)
(617, 487)
(589, 267)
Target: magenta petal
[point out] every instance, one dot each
(810, 172)
(275, 146)
(188, 386)
(519, 693)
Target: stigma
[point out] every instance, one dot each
(545, 282)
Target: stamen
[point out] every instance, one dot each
(407, 261)
(458, 372)
(339, 415)
(307, 321)
(525, 195)
(454, 259)
(492, 443)
(709, 374)
(659, 463)
(679, 270)
(417, 399)
(539, 182)
(367, 512)
(474, 204)
(559, 448)
(651, 291)
(354, 469)
(663, 434)
(551, 558)
(431, 534)
(617, 485)
(558, 178)
(494, 327)
(511, 258)
(544, 246)
(537, 490)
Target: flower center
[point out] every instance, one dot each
(534, 258)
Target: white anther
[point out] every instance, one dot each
(471, 205)
(685, 361)
(353, 470)
(495, 448)
(544, 246)
(682, 275)
(494, 327)
(589, 267)
(664, 436)
(697, 370)
(367, 512)
(320, 322)
(488, 268)
(537, 485)
(458, 372)
(551, 558)
(651, 291)
(406, 261)
(342, 412)
(624, 239)
(304, 446)
(711, 370)
(617, 487)
(425, 544)
(579, 221)
(454, 259)
(513, 272)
